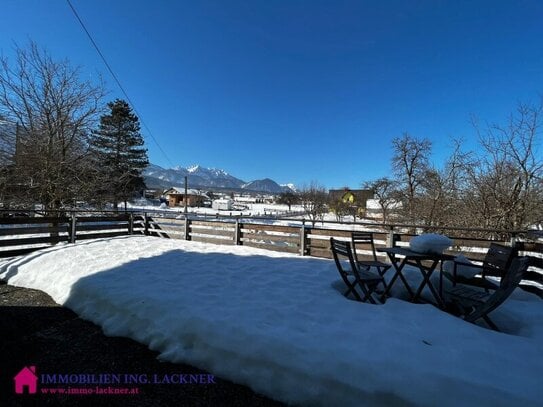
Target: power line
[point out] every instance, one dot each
(117, 80)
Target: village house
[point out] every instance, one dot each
(153, 193)
(357, 197)
(176, 197)
(224, 204)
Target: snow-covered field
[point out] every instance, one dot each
(275, 323)
(251, 209)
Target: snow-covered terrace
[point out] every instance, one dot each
(276, 323)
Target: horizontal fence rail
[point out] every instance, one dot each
(23, 234)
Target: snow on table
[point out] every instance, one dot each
(274, 322)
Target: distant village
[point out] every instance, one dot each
(175, 196)
(361, 201)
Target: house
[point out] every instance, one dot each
(26, 378)
(357, 197)
(176, 197)
(153, 193)
(222, 204)
(246, 199)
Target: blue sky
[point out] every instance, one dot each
(298, 91)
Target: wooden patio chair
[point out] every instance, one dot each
(366, 238)
(474, 304)
(353, 276)
(496, 262)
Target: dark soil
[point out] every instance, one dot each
(38, 332)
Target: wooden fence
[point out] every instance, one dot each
(303, 239)
(315, 241)
(22, 235)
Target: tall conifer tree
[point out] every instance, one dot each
(117, 146)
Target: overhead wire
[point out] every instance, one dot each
(116, 79)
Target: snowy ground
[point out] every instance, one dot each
(276, 323)
(251, 209)
(262, 210)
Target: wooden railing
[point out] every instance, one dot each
(307, 240)
(21, 235)
(301, 237)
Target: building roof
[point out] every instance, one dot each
(181, 191)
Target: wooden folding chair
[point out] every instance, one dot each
(496, 262)
(473, 304)
(353, 277)
(366, 238)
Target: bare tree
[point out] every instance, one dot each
(434, 199)
(314, 199)
(55, 111)
(440, 202)
(7, 155)
(288, 198)
(507, 182)
(498, 187)
(386, 192)
(340, 208)
(410, 163)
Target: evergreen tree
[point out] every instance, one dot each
(118, 149)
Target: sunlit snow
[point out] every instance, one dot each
(275, 323)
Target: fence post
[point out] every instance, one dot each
(72, 228)
(390, 237)
(145, 224)
(513, 241)
(187, 228)
(303, 237)
(237, 233)
(131, 224)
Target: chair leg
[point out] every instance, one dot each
(367, 293)
(382, 273)
(490, 323)
(382, 296)
(351, 288)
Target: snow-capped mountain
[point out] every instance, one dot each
(210, 173)
(264, 185)
(202, 177)
(197, 177)
(292, 187)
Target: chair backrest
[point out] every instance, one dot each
(342, 251)
(534, 250)
(498, 259)
(363, 238)
(510, 281)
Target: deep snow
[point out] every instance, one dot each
(276, 323)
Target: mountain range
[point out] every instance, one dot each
(208, 178)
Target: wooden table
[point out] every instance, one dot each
(416, 259)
